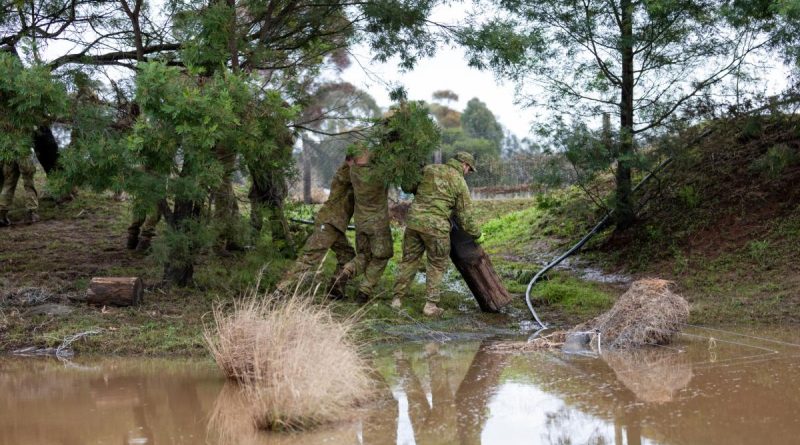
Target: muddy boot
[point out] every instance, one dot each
(431, 310)
(4, 221)
(32, 217)
(337, 288)
(362, 298)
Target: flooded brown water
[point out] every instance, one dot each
(711, 387)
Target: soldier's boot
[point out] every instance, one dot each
(32, 217)
(337, 288)
(432, 310)
(362, 297)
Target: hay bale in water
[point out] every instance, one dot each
(654, 375)
(649, 313)
(296, 365)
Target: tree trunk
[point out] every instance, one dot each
(182, 249)
(623, 208)
(307, 171)
(478, 272)
(115, 291)
(226, 209)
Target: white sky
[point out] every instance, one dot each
(448, 70)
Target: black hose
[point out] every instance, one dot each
(598, 227)
(311, 223)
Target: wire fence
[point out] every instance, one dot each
(520, 176)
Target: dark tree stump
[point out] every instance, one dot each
(478, 272)
(115, 291)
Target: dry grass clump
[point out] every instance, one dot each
(296, 364)
(654, 375)
(649, 313)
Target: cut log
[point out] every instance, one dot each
(477, 270)
(115, 291)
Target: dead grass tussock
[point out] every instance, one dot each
(295, 363)
(649, 313)
(654, 375)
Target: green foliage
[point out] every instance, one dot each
(29, 97)
(516, 227)
(776, 160)
(689, 196)
(403, 143)
(399, 27)
(759, 251)
(573, 295)
(479, 122)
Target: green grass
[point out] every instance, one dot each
(573, 296)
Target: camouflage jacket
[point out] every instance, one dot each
(338, 209)
(442, 193)
(372, 201)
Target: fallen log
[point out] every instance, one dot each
(115, 291)
(477, 270)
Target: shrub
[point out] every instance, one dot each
(296, 365)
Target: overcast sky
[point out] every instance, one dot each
(448, 70)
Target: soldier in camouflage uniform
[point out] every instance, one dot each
(373, 235)
(143, 229)
(12, 170)
(330, 226)
(441, 193)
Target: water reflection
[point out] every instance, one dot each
(701, 392)
(451, 417)
(654, 375)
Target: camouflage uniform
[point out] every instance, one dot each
(373, 235)
(12, 170)
(330, 226)
(441, 193)
(143, 224)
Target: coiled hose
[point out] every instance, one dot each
(598, 227)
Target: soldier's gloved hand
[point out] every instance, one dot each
(479, 240)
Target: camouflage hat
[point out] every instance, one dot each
(463, 156)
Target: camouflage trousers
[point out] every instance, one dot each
(145, 224)
(281, 239)
(324, 238)
(437, 249)
(11, 173)
(374, 249)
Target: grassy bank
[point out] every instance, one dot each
(723, 223)
(47, 267)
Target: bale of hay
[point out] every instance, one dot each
(654, 375)
(649, 313)
(294, 361)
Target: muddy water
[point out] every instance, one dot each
(711, 387)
